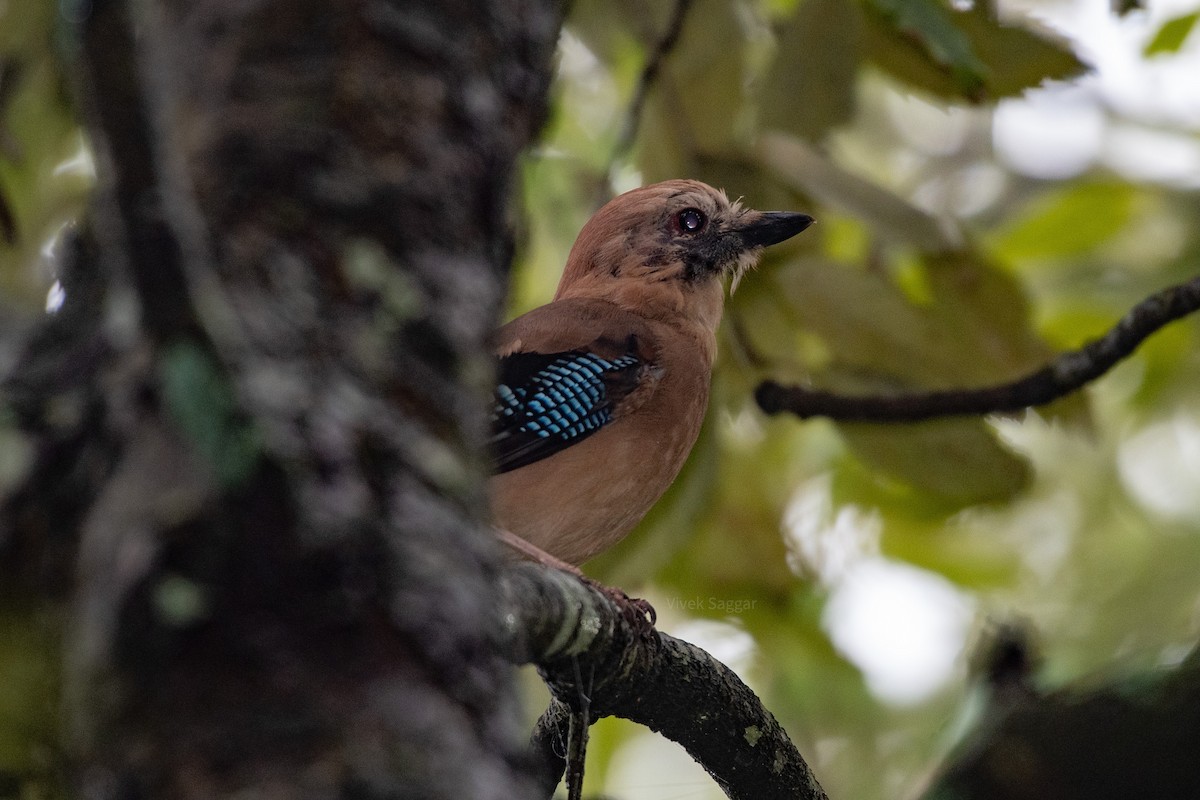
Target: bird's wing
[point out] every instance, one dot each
(548, 399)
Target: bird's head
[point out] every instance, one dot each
(664, 249)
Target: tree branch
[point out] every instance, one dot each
(133, 225)
(1064, 375)
(650, 72)
(569, 628)
(1129, 736)
(548, 746)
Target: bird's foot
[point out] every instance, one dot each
(638, 612)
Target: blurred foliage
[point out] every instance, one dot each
(963, 56)
(29, 721)
(934, 264)
(44, 168)
(44, 176)
(1172, 34)
(198, 398)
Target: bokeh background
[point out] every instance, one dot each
(993, 184)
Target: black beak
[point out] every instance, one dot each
(773, 227)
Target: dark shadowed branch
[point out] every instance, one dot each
(1132, 736)
(548, 746)
(10, 77)
(570, 629)
(650, 72)
(1067, 373)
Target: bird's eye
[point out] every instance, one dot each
(691, 220)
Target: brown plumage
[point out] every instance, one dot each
(625, 353)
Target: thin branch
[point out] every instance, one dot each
(648, 677)
(1132, 736)
(548, 746)
(127, 147)
(577, 740)
(11, 70)
(1060, 377)
(650, 72)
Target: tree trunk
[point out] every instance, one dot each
(260, 517)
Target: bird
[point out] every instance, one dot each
(600, 394)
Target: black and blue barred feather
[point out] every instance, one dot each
(546, 402)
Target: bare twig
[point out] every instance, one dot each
(643, 675)
(650, 72)
(10, 76)
(547, 745)
(134, 222)
(577, 738)
(1144, 724)
(1064, 375)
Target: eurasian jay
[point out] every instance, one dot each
(601, 392)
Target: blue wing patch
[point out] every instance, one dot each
(546, 402)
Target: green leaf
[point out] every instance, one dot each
(1069, 222)
(1172, 34)
(974, 330)
(38, 136)
(1014, 58)
(200, 400)
(810, 86)
(1018, 58)
(931, 25)
(959, 461)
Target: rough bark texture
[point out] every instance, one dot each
(587, 646)
(255, 422)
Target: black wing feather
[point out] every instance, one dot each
(546, 402)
